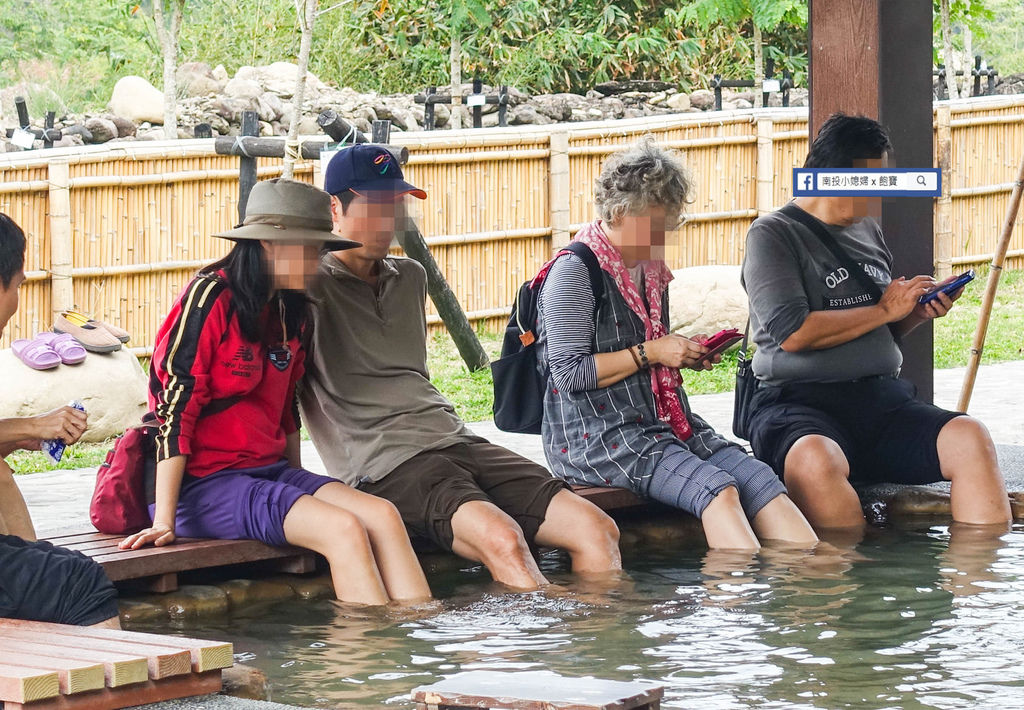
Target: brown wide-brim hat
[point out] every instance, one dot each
(281, 210)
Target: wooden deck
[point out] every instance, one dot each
(157, 568)
(58, 667)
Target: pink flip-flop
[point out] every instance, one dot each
(70, 350)
(36, 353)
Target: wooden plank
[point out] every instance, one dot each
(69, 538)
(149, 692)
(118, 668)
(609, 499)
(158, 661)
(205, 655)
(75, 675)
(187, 555)
(19, 684)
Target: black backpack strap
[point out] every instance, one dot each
(587, 255)
(818, 229)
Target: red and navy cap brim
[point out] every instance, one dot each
(385, 190)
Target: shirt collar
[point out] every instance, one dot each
(336, 267)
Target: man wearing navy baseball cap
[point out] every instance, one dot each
(381, 426)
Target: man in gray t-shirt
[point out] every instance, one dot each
(830, 408)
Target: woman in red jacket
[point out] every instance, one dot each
(222, 382)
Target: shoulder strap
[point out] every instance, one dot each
(818, 229)
(596, 280)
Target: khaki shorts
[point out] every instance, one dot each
(428, 488)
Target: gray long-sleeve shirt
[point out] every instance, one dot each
(787, 273)
(367, 399)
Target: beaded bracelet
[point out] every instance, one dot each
(644, 362)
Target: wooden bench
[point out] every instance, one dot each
(157, 568)
(535, 690)
(57, 667)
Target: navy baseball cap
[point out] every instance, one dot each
(367, 169)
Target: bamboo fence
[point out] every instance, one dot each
(117, 232)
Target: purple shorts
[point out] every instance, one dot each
(243, 503)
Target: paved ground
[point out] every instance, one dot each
(60, 499)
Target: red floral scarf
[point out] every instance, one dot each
(664, 380)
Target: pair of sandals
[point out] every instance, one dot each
(73, 334)
(47, 350)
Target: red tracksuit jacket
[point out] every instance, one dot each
(201, 357)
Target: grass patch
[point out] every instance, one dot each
(77, 456)
(1004, 341)
(472, 393)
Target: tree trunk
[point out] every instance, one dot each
(758, 66)
(455, 59)
(947, 51)
(168, 38)
(968, 54)
(306, 11)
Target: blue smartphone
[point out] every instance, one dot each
(950, 288)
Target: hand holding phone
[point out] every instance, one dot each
(948, 288)
(718, 343)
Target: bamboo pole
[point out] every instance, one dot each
(559, 189)
(765, 167)
(982, 258)
(944, 205)
(62, 290)
(990, 291)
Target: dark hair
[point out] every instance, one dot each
(12, 249)
(249, 279)
(345, 198)
(843, 139)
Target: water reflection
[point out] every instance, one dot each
(908, 618)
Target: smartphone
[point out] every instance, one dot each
(720, 342)
(949, 288)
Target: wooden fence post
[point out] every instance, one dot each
(944, 207)
(558, 193)
(765, 195)
(62, 289)
(246, 165)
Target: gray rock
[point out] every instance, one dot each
(243, 89)
(112, 387)
(528, 115)
(618, 87)
(220, 74)
(742, 103)
(125, 126)
(706, 299)
(270, 107)
(678, 102)
(613, 107)
(704, 99)
(137, 100)
(102, 129)
(69, 141)
(197, 79)
(78, 130)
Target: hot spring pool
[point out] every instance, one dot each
(904, 619)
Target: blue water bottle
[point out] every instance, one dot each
(54, 448)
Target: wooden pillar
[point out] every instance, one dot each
(765, 167)
(559, 189)
(944, 206)
(874, 57)
(62, 289)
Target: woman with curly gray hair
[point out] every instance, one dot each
(615, 413)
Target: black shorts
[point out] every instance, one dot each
(887, 435)
(428, 488)
(40, 582)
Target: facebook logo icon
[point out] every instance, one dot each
(805, 180)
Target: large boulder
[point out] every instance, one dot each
(102, 129)
(112, 388)
(136, 99)
(707, 299)
(197, 79)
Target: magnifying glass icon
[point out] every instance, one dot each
(920, 181)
